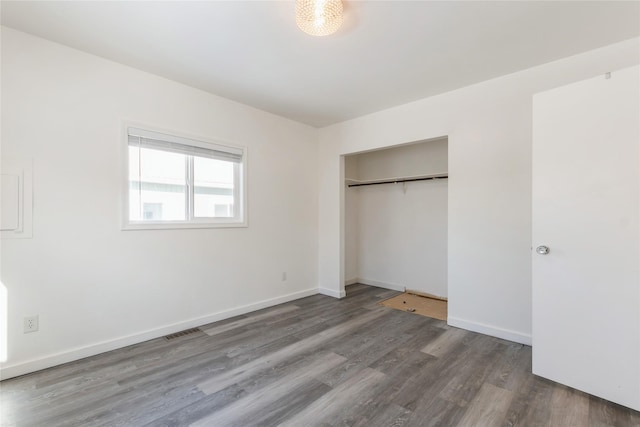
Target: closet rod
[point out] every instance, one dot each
(396, 181)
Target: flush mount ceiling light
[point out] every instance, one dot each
(319, 17)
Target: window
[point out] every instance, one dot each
(176, 182)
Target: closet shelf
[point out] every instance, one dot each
(356, 183)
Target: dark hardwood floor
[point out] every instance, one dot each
(317, 361)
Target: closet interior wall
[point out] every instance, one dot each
(396, 234)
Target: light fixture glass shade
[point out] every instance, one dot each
(319, 17)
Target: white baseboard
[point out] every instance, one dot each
(377, 284)
(27, 367)
(332, 293)
(493, 331)
(351, 281)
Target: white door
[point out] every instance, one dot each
(586, 193)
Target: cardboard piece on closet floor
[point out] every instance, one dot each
(417, 304)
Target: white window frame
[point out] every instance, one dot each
(239, 191)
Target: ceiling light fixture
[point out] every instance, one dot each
(319, 17)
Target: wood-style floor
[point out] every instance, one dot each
(317, 361)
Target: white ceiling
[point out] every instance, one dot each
(387, 53)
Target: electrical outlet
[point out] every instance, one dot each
(30, 324)
(284, 276)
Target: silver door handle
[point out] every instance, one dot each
(543, 250)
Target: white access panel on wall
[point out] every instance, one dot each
(16, 202)
(586, 236)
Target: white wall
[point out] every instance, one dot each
(96, 287)
(397, 238)
(428, 157)
(489, 130)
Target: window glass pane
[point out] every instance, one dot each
(157, 185)
(135, 211)
(213, 188)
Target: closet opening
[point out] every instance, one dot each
(395, 218)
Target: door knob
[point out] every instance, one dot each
(542, 250)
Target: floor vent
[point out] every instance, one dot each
(182, 333)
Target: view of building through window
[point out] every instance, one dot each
(213, 188)
(159, 185)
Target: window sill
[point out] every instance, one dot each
(182, 225)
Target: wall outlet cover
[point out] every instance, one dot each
(31, 324)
